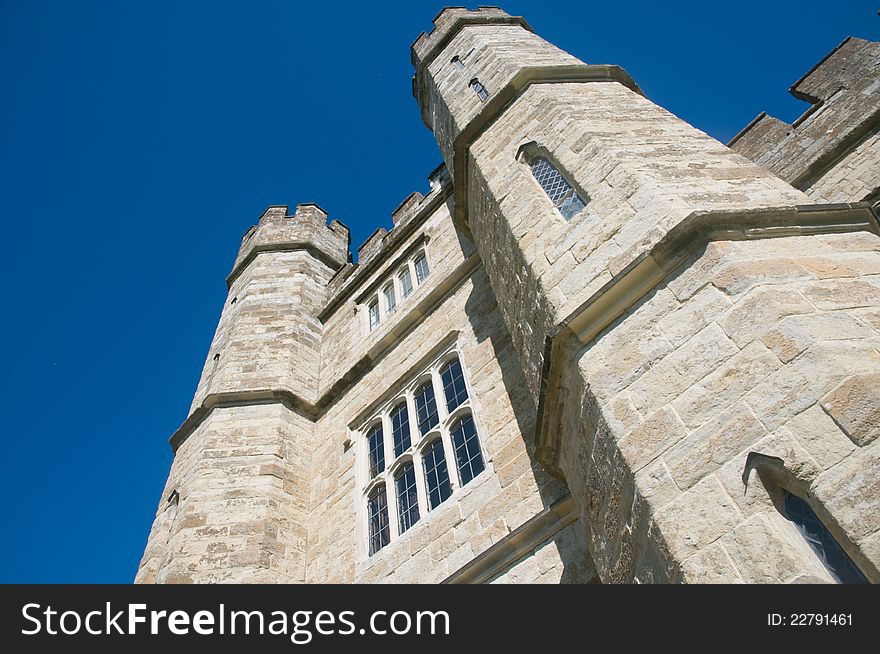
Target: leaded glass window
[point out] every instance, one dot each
(467, 449)
(479, 89)
(390, 299)
(421, 265)
(407, 497)
(560, 192)
(400, 429)
(377, 509)
(426, 408)
(377, 450)
(453, 385)
(406, 285)
(436, 474)
(823, 543)
(373, 310)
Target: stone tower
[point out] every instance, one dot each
(235, 505)
(667, 355)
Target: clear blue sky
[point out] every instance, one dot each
(139, 140)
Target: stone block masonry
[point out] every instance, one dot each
(651, 377)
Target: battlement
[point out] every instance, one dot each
(844, 91)
(306, 229)
(449, 21)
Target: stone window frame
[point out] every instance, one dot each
(479, 88)
(777, 480)
(419, 443)
(527, 152)
(394, 282)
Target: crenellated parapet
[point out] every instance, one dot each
(307, 229)
(844, 91)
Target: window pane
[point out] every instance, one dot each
(390, 300)
(467, 449)
(560, 192)
(406, 285)
(426, 408)
(436, 474)
(458, 63)
(400, 429)
(453, 384)
(422, 271)
(571, 206)
(377, 509)
(479, 89)
(823, 543)
(377, 450)
(374, 314)
(407, 500)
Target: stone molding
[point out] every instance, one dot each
(516, 545)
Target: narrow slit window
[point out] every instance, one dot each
(479, 89)
(453, 385)
(467, 449)
(457, 62)
(377, 450)
(390, 298)
(400, 429)
(380, 532)
(436, 474)
(426, 408)
(561, 193)
(406, 285)
(407, 497)
(823, 543)
(373, 310)
(421, 266)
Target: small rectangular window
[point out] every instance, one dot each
(421, 265)
(377, 507)
(561, 193)
(467, 449)
(377, 450)
(407, 497)
(374, 314)
(436, 474)
(390, 299)
(426, 408)
(453, 385)
(400, 429)
(406, 285)
(479, 89)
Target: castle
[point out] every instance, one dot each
(603, 348)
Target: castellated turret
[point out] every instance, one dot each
(235, 502)
(602, 347)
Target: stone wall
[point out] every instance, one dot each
(764, 346)
(832, 151)
(240, 481)
(457, 303)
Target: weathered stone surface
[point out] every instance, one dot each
(855, 406)
(766, 552)
(671, 358)
(696, 518)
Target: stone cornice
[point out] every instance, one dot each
(499, 102)
(517, 544)
(650, 268)
(286, 246)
